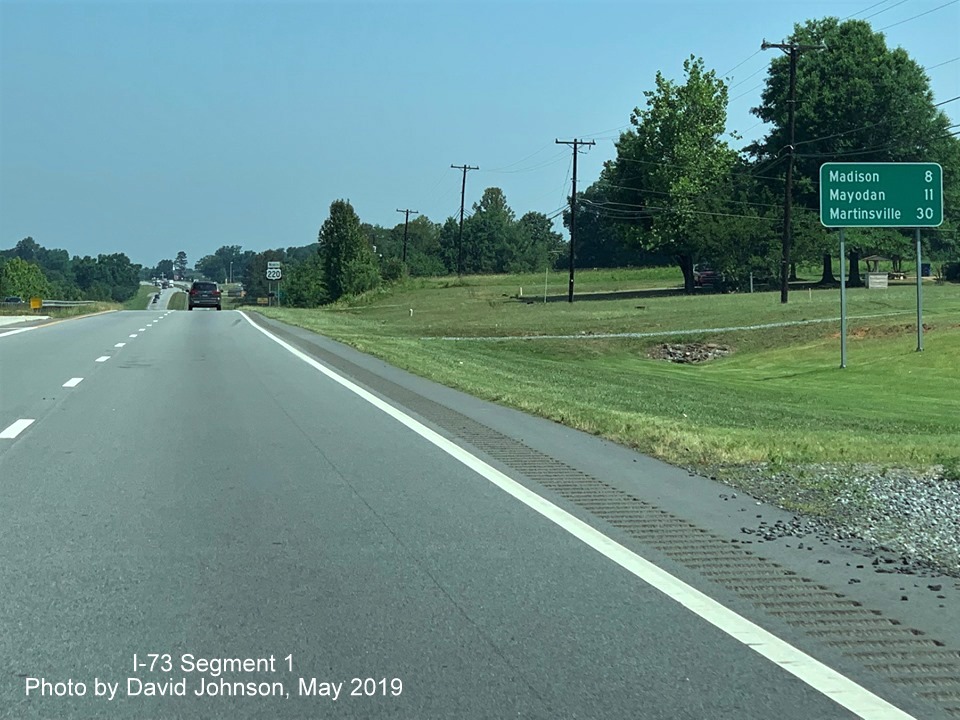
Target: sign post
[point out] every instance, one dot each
(897, 195)
(274, 273)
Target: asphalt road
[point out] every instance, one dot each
(204, 493)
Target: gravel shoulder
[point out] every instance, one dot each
(909, 518)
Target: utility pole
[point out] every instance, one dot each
(573, 205)
(463, 191)
(406, 222)
(793, 50)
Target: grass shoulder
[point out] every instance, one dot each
(778, 399)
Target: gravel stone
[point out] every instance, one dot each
(906, 520)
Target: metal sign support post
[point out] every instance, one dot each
(843, 303)
(919, 298)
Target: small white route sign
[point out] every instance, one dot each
(273, 270)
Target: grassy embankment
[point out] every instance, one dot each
(177, 301)
(780, 397)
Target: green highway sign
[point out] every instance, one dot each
(907, 194)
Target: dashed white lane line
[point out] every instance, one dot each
(133, 335)
(73, 382)
(103, 358)
(141, 329)
(119, 344)
(149, 324)
(17, 331)
(831, 683)
(18, 427)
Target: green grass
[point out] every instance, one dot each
(780, 397)
(178, 301)
(141, 301)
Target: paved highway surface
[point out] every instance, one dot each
(189, 488)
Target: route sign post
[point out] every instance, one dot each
(897, 195)
(274, 274)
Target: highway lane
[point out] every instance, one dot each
(206, 492)
(36, 363)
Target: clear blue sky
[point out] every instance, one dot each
(153, 127)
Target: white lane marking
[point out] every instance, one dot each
(141, 330)
(73, 382)
(119, 344)
(839, 688)
(17, 331)
(103, 358)
(133, 335)
(18, 427)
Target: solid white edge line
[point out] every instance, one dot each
(837, 687)
(102, 358)
(16, 428)
(72, 382)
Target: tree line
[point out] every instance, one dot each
(31, 270)
(677, 191)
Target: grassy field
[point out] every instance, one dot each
(779, 397)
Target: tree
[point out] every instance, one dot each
(448, 240)
(348, 261)
(538, 243)
(23, 278)
(164, 269)
(180, 265)
(490, 237)
(858, 100)
(305, 286)
(670, 162)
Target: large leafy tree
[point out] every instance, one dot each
(857, 101)
(305, 286)
(539, 245)
(671, 161)
(490, 235)
(349, 264)
(23, 278)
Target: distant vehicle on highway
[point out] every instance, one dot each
(13, 300)
(203, 294)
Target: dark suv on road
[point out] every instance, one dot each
(203, 294)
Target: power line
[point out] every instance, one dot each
(884, 10)
(945, 62)
(940, 7)
(864, 10)
(724, 74)
(501, 169)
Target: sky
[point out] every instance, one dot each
(150, 127)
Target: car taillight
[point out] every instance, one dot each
(216, 293)
(193, 291)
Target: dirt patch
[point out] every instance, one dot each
(689, 352)
(860, 333)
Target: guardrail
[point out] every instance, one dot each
(65, 303)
